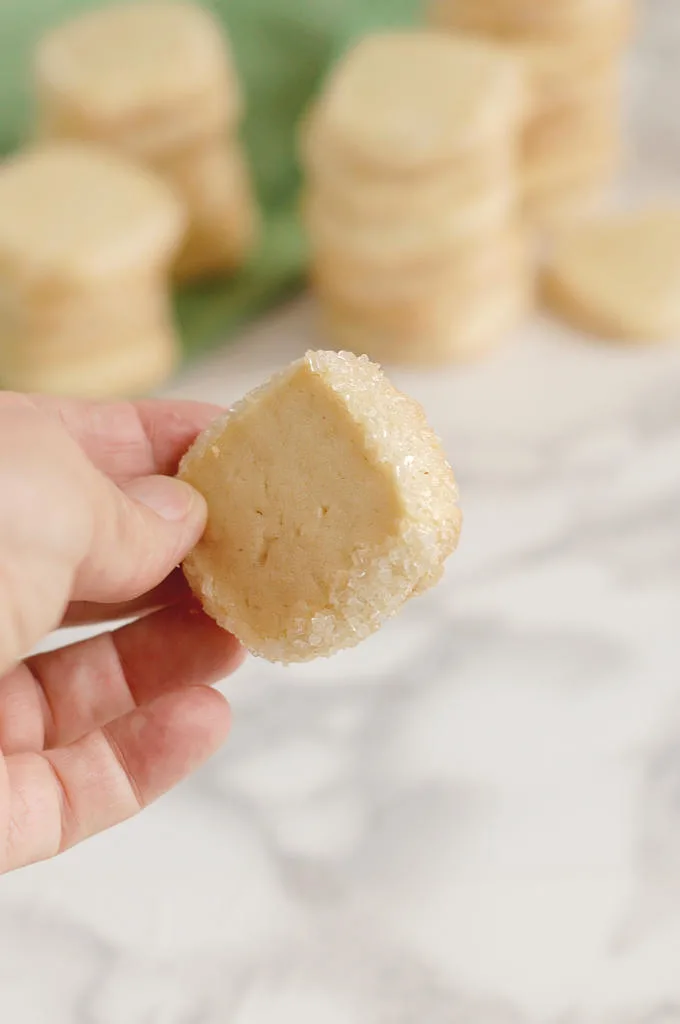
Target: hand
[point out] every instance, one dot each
(90, 530)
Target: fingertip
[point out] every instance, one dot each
(209, 708)
(172, 499)
(162, 743)
(194, 722)
(141, 532)
(201, 716)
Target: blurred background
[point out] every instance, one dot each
(475, 816)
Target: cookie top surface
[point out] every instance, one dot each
(118, 59)
(80, 213)
(620, 274)
(416, 98)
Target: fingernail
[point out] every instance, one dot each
(169, 498)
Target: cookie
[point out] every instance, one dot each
(455, 299)
(468, 337)
(571, 52)
(118, 64)
(56, 229)
(511, 19)
(372, 284)
(143, 137)
(619, 276)
(330, 503)
(408, 100)
(598, 82)
(86, 243)
(114, 367)
(408, 237)
(554, 174)
(570, 125)
(362, 195)
(213, 182)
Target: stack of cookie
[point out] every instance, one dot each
(156, 82)
(411, 201)
(86, 243)
(573, 50)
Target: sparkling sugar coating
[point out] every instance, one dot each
(369, 542)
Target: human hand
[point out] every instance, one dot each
(90, 530)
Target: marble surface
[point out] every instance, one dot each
(474, 818)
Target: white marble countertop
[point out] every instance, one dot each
(474, 818)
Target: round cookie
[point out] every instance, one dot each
(619, 276)
(462, 339)
(373, 284)
(360, 194)
(430, 311)
(213, 182)
(117, 64)
(408, 237)
(115, 368)
(330, 503)
(553, 174)
(144, 136)
(86, 242)
(408, 100)
(595, 129)
(608, 19)
(554, 69)
(54, 226)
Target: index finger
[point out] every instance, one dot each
(129, 439)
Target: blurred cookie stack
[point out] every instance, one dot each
(156, 81)
(573, 51)
(411, 204)
(86, 241)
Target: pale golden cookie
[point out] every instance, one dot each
(379, 197)
(464, 338)
(406, 100)
(136, 298)
(561, 207)
(412, 322)
(592, 168)
(429, 311)
(619, 276)
(580, 122)
(554, 69)
(213, 182)
(116, 368)
(146, 136)
(76, 214)
(511, 19)
(117, 64)
(26, 339)
(371, 283)
(599, 82)
(330, 503)
(408, 237)
(86, 242)
(567, 144)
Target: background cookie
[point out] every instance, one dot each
(619, 276)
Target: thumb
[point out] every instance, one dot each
(140, 532)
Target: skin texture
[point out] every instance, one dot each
(91, 529)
